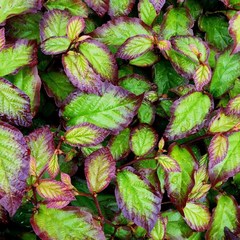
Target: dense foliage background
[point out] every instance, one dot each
(119, 119)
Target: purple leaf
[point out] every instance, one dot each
(158, 4)
(99, 6)
(235, 31)
(120, 8)
(233, 107)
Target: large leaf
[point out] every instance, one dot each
(113, 110)
(226, 214)
(230, 165)
(70, 222)
(117, 31)
(15, 7)
(14, 166)
(143, 139)
(227, 69)
(100, 58)
(146, 12)
(188, 115)
(14, 104)
(120, 8)
(235, 31)
(99, 170)
(21, 54)
(179, 184)
(99, 6)
(137, 201)
(85, 134)
(233, 106)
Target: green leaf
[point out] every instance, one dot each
(83, 107)
(84, 135)
(75, 7)
(99, 6)
(75, 27)
(143, 140)
(224, 215)
(21, 54)
(14, 167)
(227, 69)
(171, 26)
(120, 8)
(119, 144)
(100, 168)
(70, 222)
(141, 210)
(146, 113)
(16, 7)
(158, 232)
(100, 58)
(168, 164)
(145, 60)
(117, 31)
(146, 12)
(195, 8)
(197, 216)
(233, 106)
(235, 32)
(202, 76)
(189, 114)
(15, 104)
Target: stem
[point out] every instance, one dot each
(138, 159)
(198, 139)
(102, 219)
(83, 194)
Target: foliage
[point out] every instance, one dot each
(119, 119)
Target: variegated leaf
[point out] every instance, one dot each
(120, 8)
(202, 76)
(75, 27)
(146, 12)
(233, 106)
(159, 230)
(235, 31)
(53, 167)
(99, 6)
(168, 164)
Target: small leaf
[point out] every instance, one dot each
(15, 104)
(75, 27)
(146, 113)
(100, 58)
(235, 32)
(197, 216)
(99, 170)
(135, 47)
(202, 76)
(168, 164)
(99, 6)
(85, 135)
(188, 115)
(137, 201)
(120, 8)
(14, 167)
(146, 12)
(70, 222)
(233, 106)
(158, 232)
(82, 107)
(217, 149)
(226, 214)
(41, 145)
(145, 60)
(143, 140)
(158, 4)
(164, 45)
(53, 167)
(2, 38)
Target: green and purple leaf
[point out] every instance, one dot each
(158, 4)
(159, 230)
(53, 167)
(85, 135)
(146, 60)
(99, 168)
(146, 12)
(99, 6)
(235, 31)
(75, 27)
(138, 202)
(14, 167)
(120, 8)
(14, 105)
(2, 38)
(69, 222)
(233, 106)
(82, 107)
(189, 114)
(168, 164)
(202, 76)
(135, 47)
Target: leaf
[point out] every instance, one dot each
(145, 60)
(224, 215)
(217, 149)
(16, 7)
(188, 115)
(28, 80)
(146, 113)
(75, 7)
(85, 135)
(55, 45)
(202, 76)
(117, 31)
(75, 27)
(70, 222)
(233, 106)
(171, 25)
(235, 32)
(99, 6)
(222, 122)
(143, 140)
(137, 201)
(179, 184)
(14, 166)
(14, 105)
(99, 169)
(146, 12)
(227, 69)
(135, 46)
(80, 73)
(120, 8)
(2, 38)
(21, 54)
(230, 165)
(158, 232)
(53, 167)
(167, 163)
(158, 4)
(164, 45)
(197, 216)
(82, 107)
(41, 145)
(119, 144)
(100, 58)
(54, 24)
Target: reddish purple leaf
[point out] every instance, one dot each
(99, 170)
(99, 6)
(202, 76)
(2, 38)
(235, 31)
(233, 106)
(120, 8)
(158, 4)
(53, 167)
